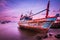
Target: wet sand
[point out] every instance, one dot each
(10, 31)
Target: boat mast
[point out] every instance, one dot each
(47, 11)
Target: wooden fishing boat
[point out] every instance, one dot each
(41, 26)
(38, 25)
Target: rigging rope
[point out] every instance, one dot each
(39, 12)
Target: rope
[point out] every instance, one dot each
(39, 12)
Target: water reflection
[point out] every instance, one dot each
(10, 31)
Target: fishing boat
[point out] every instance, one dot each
(38, 25)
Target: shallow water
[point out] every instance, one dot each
(10, 31)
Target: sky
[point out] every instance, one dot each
(18, 7)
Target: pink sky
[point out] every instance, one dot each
(15, 8)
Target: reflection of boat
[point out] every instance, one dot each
(38, 25)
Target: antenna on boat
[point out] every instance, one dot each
(47, 11)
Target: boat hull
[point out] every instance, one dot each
(35, 29)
